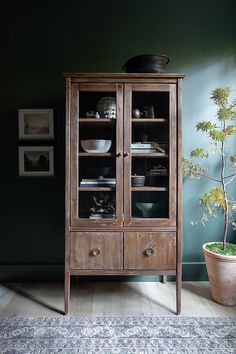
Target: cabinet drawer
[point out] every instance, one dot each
(150, 250)
(96, 250)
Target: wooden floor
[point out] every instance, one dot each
(109, 299)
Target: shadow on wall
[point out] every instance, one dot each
(200, 81)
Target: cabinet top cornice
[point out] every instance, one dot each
(124, 76)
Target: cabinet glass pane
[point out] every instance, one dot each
(150, 204)
(150, 155)
(96, 155)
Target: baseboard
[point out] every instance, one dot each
(192, 271)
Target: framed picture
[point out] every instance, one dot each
(36, 161)
(36, 124)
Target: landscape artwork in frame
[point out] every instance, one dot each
(36, 124)
(36, 161)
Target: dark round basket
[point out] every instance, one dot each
(146, 63)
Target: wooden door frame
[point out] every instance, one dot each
(75, 221)
(161, 222)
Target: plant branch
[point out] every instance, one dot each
(226, 209)
(230, 107)
(233, 175)
(208, 177)
(230, 180)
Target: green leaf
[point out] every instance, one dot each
(225, 114)
(213, 200)
(192, 170)
(205, 126)
(230, 130)
(221, 95)
(233, 158)
(199, 152)
(218, 135)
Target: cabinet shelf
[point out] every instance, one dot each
(104, 154)
(97, 121)
(153, 154)
(99, 189)
(149, 189)
(149, 120)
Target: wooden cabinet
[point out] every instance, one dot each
(123, 175)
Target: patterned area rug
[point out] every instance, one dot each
(120, 335)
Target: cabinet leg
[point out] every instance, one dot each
(67, 292)
(178, 292)
(164, 279)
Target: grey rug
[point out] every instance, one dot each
(120, 335)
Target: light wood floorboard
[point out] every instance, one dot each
(109, 299)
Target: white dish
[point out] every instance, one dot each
(148, 209)
(96, 145)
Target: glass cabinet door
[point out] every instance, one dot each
(96, 154)
(149, 150)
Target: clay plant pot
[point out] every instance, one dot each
(222, 276)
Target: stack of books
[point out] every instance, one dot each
(158, 172)
(149, 147)
(98, 216)
(98, 182)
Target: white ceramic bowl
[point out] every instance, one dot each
(96, 146)
(148, 209)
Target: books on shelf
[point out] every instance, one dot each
(149, 147)
(98, 182)
(158, 172)
(99, 216)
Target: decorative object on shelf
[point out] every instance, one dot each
(91, 114)
(136, 113)
(36, 161)
(146, 63)
(148, 209)
(36, 124)
(104, 206)
(149, 112)
(106, 107)
(220, 199)
(138, 181)
(96, 145)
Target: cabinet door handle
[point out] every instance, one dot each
(95, 252)
(118, 154)
(126, 154)
(148, 252)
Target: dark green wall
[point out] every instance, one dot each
(41, 40)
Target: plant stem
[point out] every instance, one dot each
(233, 174)
(226, 211)
(230, 180)
(211, 178)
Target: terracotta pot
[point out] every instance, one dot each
(222, 276)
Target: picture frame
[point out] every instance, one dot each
(36, 124)
(36, 161)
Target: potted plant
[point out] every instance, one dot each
(220, 256)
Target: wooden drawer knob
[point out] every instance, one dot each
(148, 252)
(95, 252)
